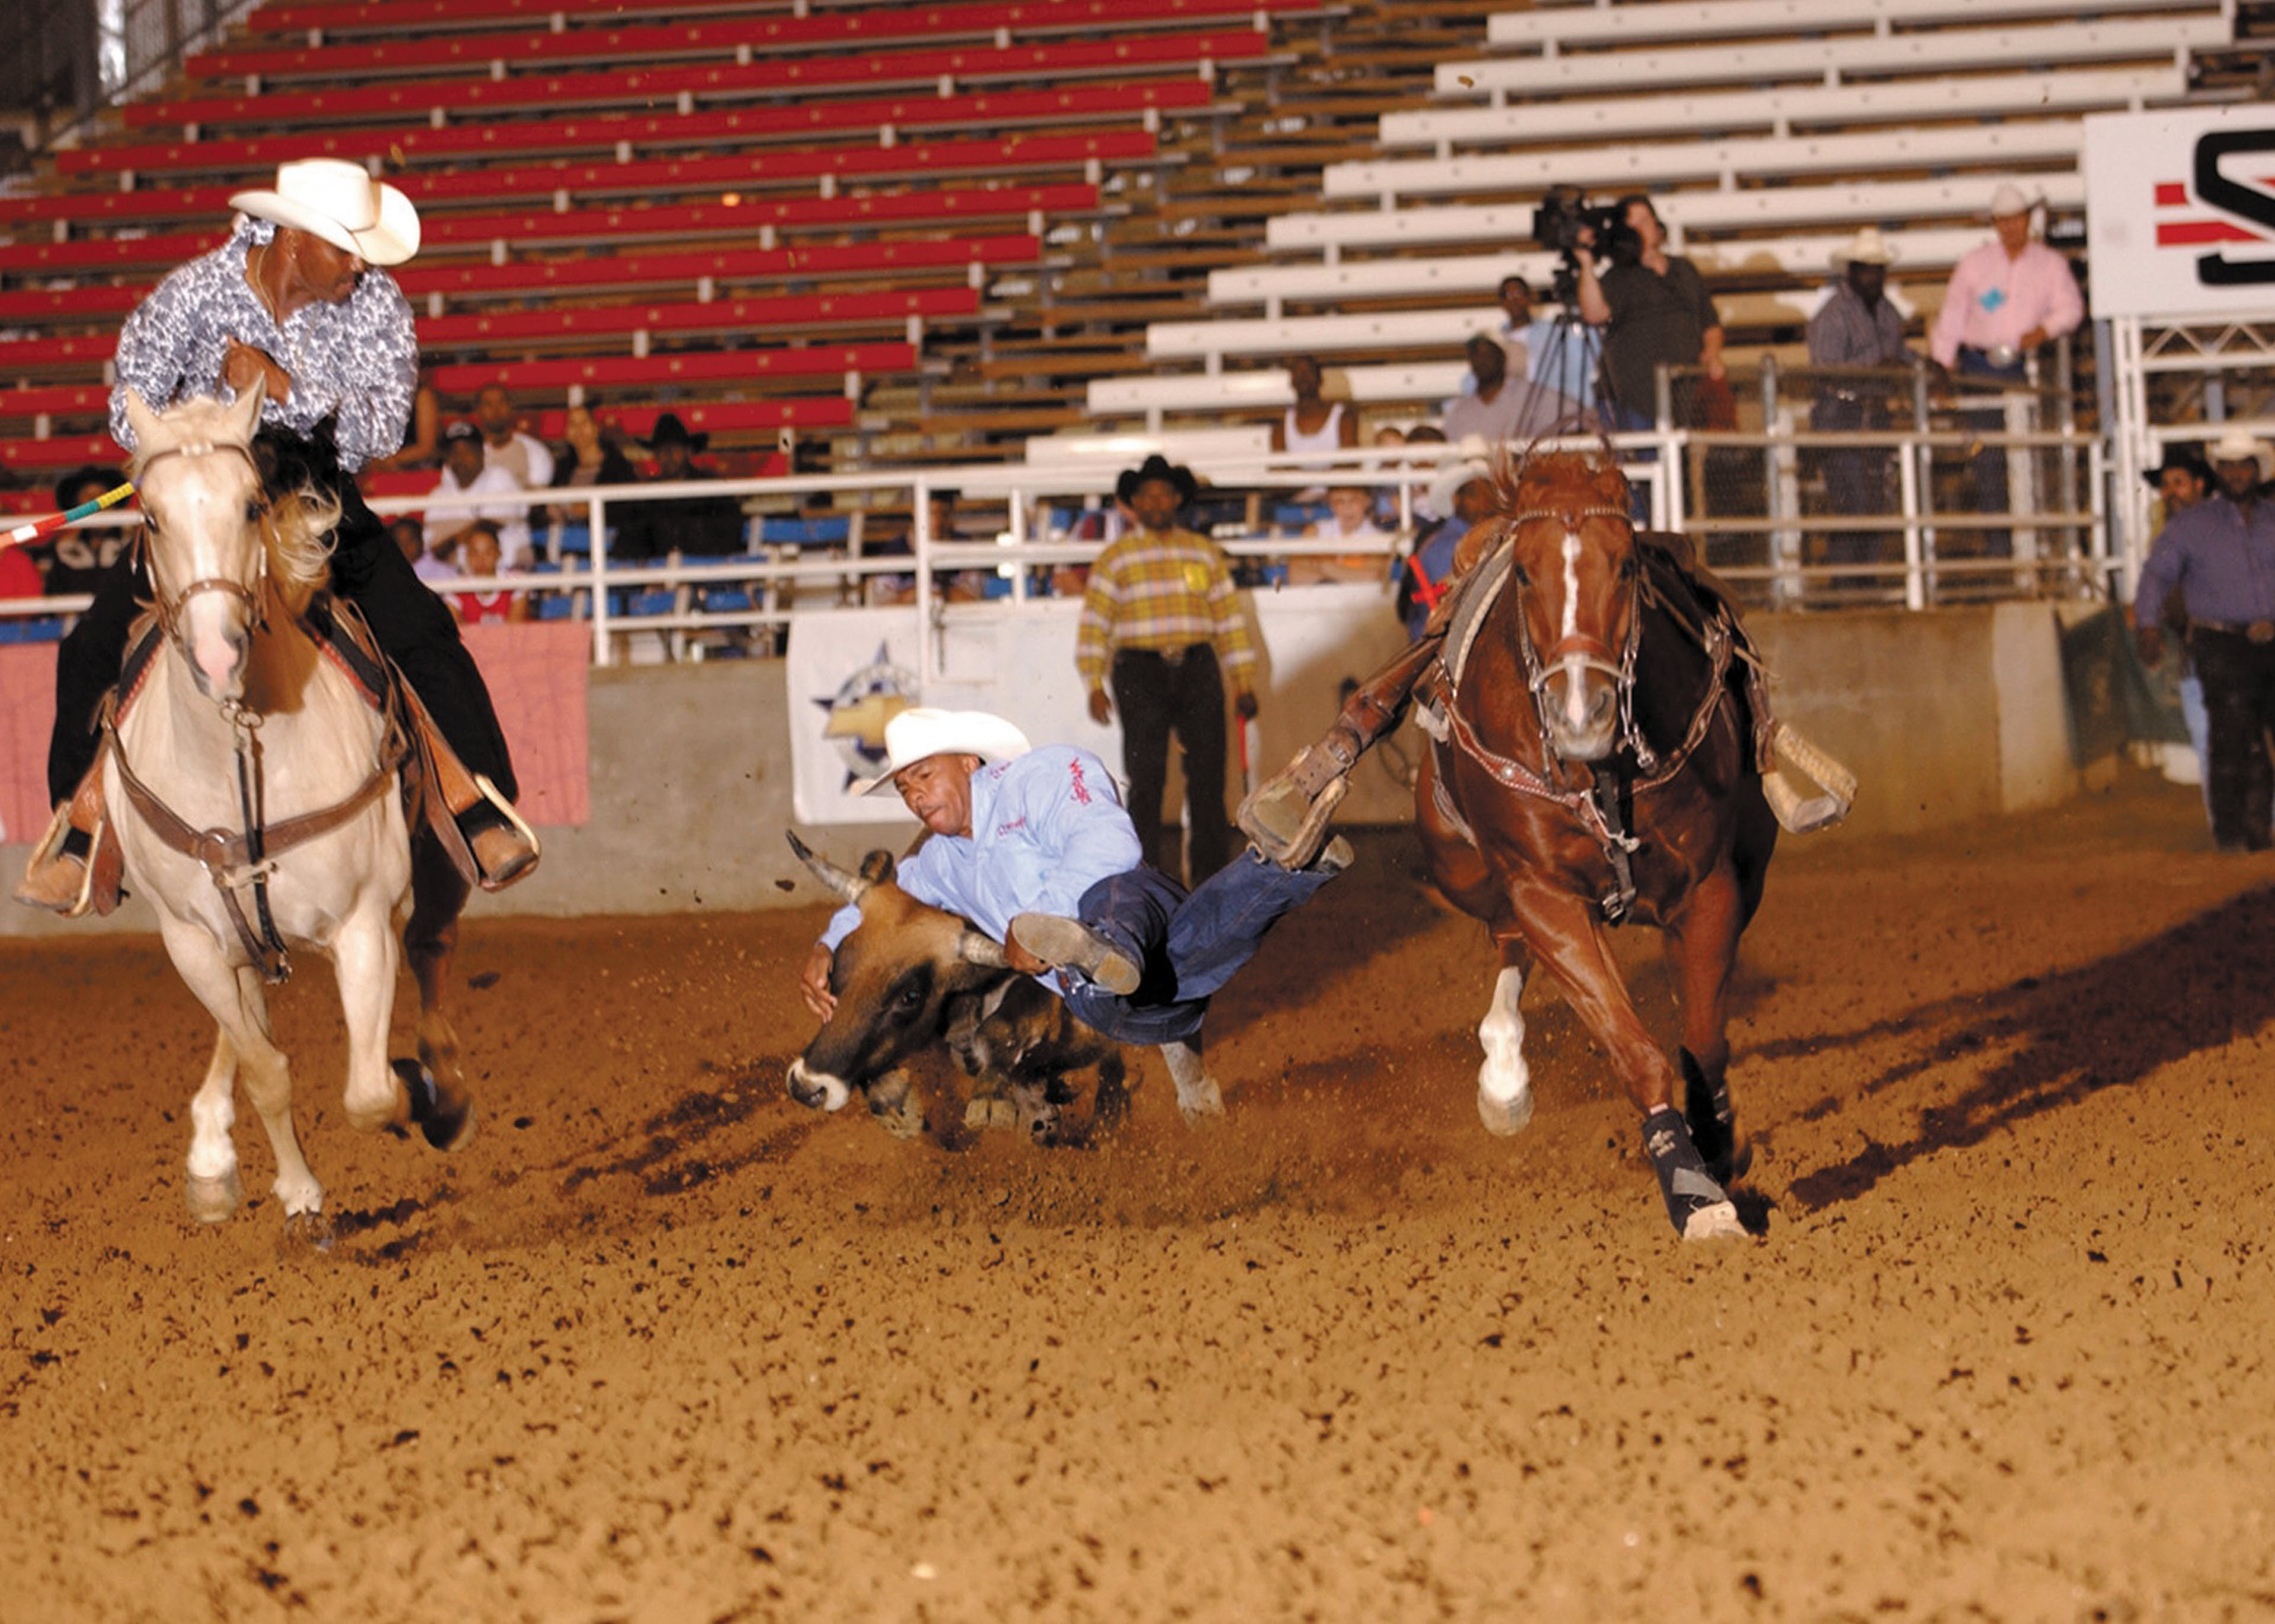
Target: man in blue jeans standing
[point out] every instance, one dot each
(1031, 845)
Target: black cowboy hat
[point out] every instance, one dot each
(1157, 467)
(670, 431)
(2189, 461)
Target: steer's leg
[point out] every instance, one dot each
(1198, 1094)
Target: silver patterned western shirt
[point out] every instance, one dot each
(359, 359)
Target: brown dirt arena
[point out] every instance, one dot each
(662, 1345)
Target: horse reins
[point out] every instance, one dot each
(237, 862)
(1596, 807)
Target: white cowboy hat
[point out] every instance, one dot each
(1449, 481)
(923, 731)
(2008, 200)
(2236, 446)
(1867, 248)
(335, 200)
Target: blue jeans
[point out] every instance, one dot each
(1188, 945)
(1990, 469)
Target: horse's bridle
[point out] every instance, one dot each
(1577, 648)
(169, 607)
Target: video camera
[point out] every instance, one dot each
(1564, 212)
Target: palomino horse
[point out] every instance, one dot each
(250, 782)
(1597, 763)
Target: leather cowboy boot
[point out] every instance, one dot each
(477, 818)
(59, 877)
(1287, 817)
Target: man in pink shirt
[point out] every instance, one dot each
(2004, 299)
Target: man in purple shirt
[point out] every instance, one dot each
(1032, 845)
(2219, 557)
(2004, 300)
(1857, 326)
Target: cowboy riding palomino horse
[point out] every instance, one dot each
(251, 781)
(1596, 760)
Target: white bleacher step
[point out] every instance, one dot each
(1649, 165)
(1939, 51)
(1682, 211)
(1267, 388)
(1578, 121)
(1297, 334)
(1080, 449)
(1545, 26)
(1800, 256)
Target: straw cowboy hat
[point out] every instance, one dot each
(335, 200)
(1450, 479)
(1867, 248)
(924, 731)
(1157, 467)
(2008, 200)
(2236, 446)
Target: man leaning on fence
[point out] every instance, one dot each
(2219, 557)
(1857, 327)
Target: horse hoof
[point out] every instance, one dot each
(308, 1232)
(1717, 1220)
(445, 1118)
(212, 1201)
(1505, 1116)
(904, 1121)
(1204, 1098)
(987, 1114)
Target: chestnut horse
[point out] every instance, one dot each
(1596, 762)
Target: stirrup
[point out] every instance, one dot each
(49, 856)
(1287, 825)
(1806, 788)
(525, 838)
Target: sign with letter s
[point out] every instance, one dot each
(2181, 212)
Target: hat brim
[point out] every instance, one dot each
(698, 441)
(1448, 485)
(2259, 451)
(958, 733)
(391, 241)
(1842, 258)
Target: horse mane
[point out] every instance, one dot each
(1558, 479)
(298, 530)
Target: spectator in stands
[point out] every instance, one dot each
(1162, 621)
(1313, 426)
(1562, 356)
(587, 458)
(505, 444)
(410, 538)
(1499, 409)
(2004, 299)
(79, 556)
(2180, 481)
(692, 526)
(464, 473)
(1654, 310)
(1350, 517)
(19, 574)
(1425, 516)
(422, 436)
(1463, 491)
(2219, 558)
(1857, 327)
(294, 303)
(479, 554)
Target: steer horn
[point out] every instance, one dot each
(976, 948)
(847, 886)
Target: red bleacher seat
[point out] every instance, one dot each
(399, 145)
(721, 416)
(379, 485)
(795, 76)
(427, 52)
(64, 306)
(741, 315)
(63, 451)
(654, 178)
(76, 400)
(648, 372)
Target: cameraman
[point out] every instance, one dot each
(1653, 308)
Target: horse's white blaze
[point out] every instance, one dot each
(1571, 582)
(214, 629)
(1504, 1082)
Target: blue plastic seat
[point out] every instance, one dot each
(32, 629)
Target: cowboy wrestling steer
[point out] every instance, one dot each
(910, 975)
(1033, 847)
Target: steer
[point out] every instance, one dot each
(910, 974)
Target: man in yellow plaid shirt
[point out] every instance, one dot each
(1162, 620)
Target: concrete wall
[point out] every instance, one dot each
(1944, 717)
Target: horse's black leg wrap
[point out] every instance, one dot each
(1699, 1207)
(1714, 1125)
